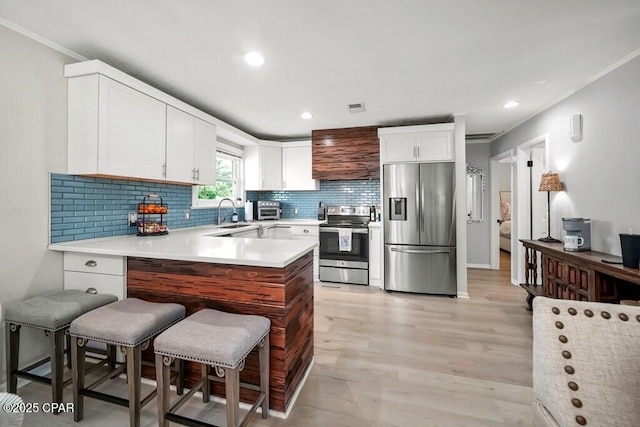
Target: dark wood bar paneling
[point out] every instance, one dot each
(284, 295)
(349, 153)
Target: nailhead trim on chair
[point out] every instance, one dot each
(146, 337)
(207, 361)
(567, 355)
(31, 325)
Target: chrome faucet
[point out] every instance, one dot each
(232, 204)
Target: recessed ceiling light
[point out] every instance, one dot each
(255, 59)
(511, 104)
(306, 115)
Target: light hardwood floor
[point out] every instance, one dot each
(392, 360)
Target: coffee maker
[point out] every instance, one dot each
(577, 235)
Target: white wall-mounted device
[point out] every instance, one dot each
(575, 127)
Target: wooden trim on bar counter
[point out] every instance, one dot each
(576, 275)
(284, 295)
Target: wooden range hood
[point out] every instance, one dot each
(348, 153)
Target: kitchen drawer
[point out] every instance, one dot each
(103, 283)
(305, 230)
(90, 263)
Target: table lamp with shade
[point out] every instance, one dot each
(550, 182)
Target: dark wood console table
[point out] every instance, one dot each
(579, 276)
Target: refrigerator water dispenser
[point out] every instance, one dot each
(398, 209)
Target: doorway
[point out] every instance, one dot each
(503, 212)
(528, 206)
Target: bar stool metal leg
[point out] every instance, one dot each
(77, 361)
(264, 375)
(232, 390)
(134, 373)
(12, 350)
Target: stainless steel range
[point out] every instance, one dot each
(344, 245)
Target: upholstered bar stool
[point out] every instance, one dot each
(129, 324)
(52, 313)
(219, 340)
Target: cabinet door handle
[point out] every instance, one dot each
(198, 174)
(91, 263)
(418, 150)
(164, 170)
(305, 230)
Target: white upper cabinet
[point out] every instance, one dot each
(205, 152)
(191, 148)
(263, 167)
(180, 149)
(115, 130)
(428, 143)
(296, 167)
(123, 127)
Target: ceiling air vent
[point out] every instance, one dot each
(356, 108)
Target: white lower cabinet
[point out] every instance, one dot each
(279, 232)
(105, 273)
(375, 256)
(299, 232)
(311, 233)
(253, 234)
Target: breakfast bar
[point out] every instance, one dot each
(200, 269)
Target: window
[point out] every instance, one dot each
(228, 182)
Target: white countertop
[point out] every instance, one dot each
(375, 224)
(199, 244)
(290, 221)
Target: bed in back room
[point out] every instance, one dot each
(505, 221)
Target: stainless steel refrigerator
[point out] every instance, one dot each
(419, 228)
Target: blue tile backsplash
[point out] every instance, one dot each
(86, 207)
(346, 192)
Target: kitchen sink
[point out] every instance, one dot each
(234, 226)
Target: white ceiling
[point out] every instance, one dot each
(409, 61)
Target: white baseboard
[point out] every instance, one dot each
(464, 295)
(483, 266)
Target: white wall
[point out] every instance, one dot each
(478, 232)
(601, 173)
(33, 139)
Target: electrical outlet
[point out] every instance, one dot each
(133, 219)
(187, 215)
(295, 211)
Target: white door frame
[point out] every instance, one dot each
(519, 205)
(523, 155)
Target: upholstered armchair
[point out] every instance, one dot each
(586, 364)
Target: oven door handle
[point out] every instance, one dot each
(422, 251)
(335, 230)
